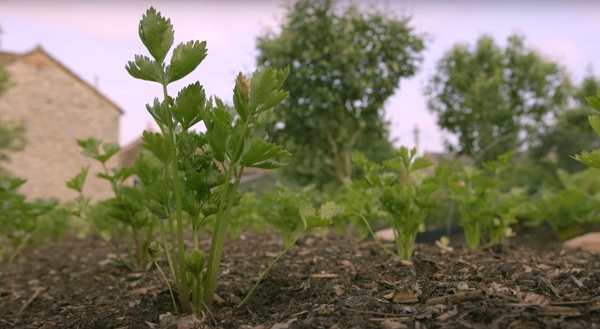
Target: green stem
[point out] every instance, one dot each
(173, 251)
(108, 244)
(374, 237)
(262, 276)
(170, 289)
(169, 260)
(198, 293)
(216, 248)
(138, 249)
(218, 238)
(19, 248)
(184, 293)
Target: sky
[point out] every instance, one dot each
(95, 39)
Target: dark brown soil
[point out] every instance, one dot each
(324, 282)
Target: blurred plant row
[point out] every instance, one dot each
(400, 193)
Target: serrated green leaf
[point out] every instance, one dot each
(185, 59)
(223, 115)
(395, 164)
(189, 103)
(274, 98)
(388, 178)
(263, 82)
(156, 33)
(595, 123)
(591, 159)
(159, 111)
(316, 221)
(110, 149)
(107, 177)
(143, 68)
(420, 163)
(240, 101)
(594, 101)
(158, 145)
(281, 76)
(330, 210)
(268, 165)
(90, 147)
(306, 209)
(218, 134)
(260, 151)
(121, 174)
(76, 183)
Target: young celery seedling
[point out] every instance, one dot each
(193, 187)
(487, 212)
(404, 196)
(126, 207)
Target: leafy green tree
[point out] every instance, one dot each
(345, 63)
(495, 99)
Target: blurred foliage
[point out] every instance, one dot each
(571, 133)
(124, 222)
(495, 100)
(12, 136)
(277, 209)
(488, 206)
(574, 207)
(345, 63)
(26, 223)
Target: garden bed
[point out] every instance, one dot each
(324, 282)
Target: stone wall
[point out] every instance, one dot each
(57, 108)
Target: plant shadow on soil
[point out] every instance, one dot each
(326, 281)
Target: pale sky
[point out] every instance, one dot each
(96, 39)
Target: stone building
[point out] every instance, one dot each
(57, 108)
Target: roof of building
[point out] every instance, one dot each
(7, 59)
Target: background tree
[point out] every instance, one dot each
(494, 100)
(344, 64)
(572, 131)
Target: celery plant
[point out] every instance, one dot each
(192, 185)
(487, 212)
(404, 195)
(127, 208)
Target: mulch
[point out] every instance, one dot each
(326, 281)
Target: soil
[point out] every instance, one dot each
(324, 282)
